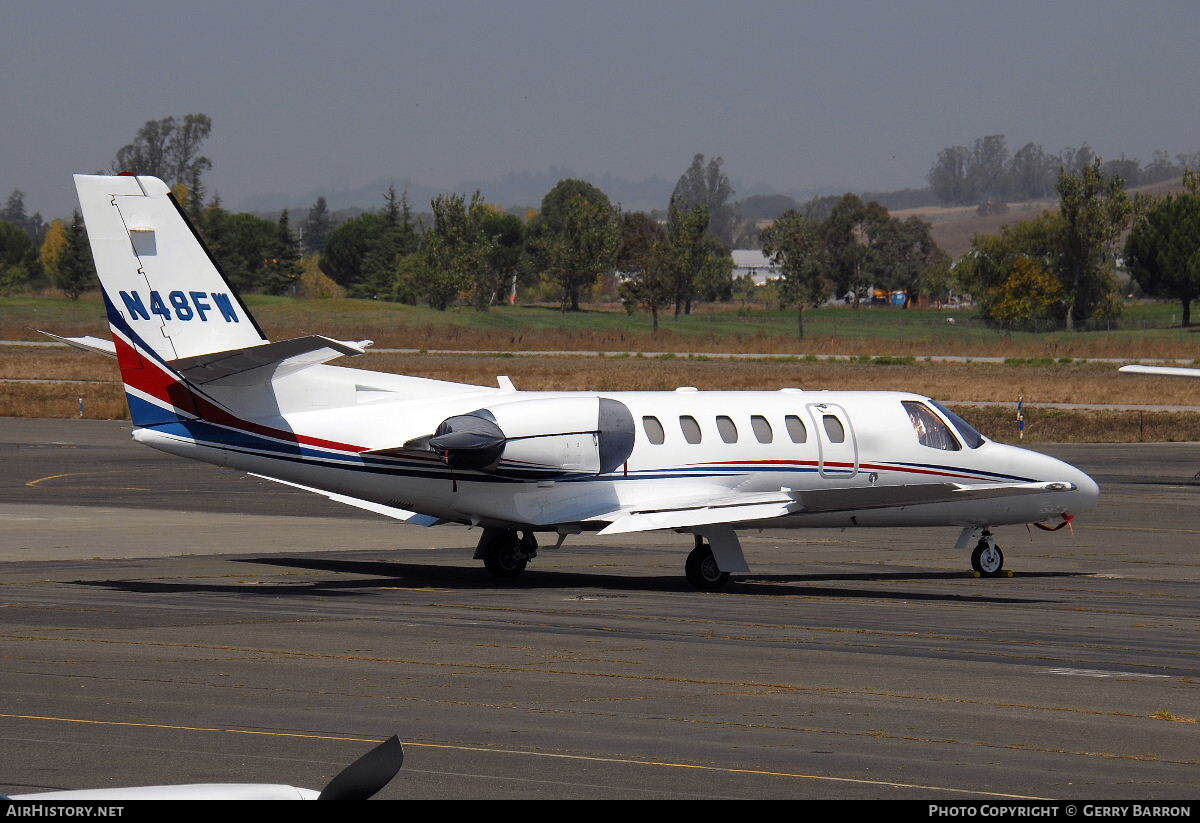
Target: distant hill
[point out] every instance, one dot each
(519, 190)
(954, 226)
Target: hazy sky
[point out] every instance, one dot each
(794, 95)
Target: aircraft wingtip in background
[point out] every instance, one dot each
(1160, 371)
(361, 780)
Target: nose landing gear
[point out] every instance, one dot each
(987, 559)
(505, 553)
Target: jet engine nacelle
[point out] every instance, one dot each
(550, 436)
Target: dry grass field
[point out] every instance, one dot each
(950, 382)
(1146, 330)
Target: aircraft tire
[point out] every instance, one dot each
(702, 571)
(502, 554)
(987, 559)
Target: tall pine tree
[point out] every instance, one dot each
(75, 273)
(316, 228)
(282, 272)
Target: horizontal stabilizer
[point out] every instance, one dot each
(379, 508)
(96, 345)
(286, 356)
(1161, 371)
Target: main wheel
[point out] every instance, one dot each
(702, 570)
(503, 555)
(987, 559)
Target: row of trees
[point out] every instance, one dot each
(474, 251)
(256, 254)
(1162, 251)
(672, 264)
(854, 247)
(477, 252)
(63, 259)
(1056, 271)
(987, 171)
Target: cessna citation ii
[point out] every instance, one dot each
(204, 382)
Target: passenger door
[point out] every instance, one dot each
(836, 443)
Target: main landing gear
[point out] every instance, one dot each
(717, 553)
(702, 570)
(987, 559)
(505, 552)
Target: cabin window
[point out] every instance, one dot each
(930, 429)
(654, 430)
(795, 429)
(762, 429)
(726, 428)
(834, 429)
(690, 428)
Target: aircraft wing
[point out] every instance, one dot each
(1161, 371)
(755, 506)
(886, 497)
(379, 508)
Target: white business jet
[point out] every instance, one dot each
(204, 382)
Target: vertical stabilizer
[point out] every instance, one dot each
(157, 277)
(166, 298)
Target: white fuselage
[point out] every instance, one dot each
(877, 446)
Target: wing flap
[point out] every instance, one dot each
(695, 517)
(716, 509)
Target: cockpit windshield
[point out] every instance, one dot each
(930, 429)
(969, 433)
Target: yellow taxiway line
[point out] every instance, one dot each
(589, 758)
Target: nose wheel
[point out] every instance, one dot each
(987, 559)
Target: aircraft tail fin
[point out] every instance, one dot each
(163, 290)
(166, 298)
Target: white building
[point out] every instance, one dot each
(754, 264)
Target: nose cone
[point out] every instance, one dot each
(1087, 491)
(1045, 468)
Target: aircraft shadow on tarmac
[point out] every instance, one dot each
(421, 575)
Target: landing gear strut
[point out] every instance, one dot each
(702, 570)
(505, 552)
(987, 559)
